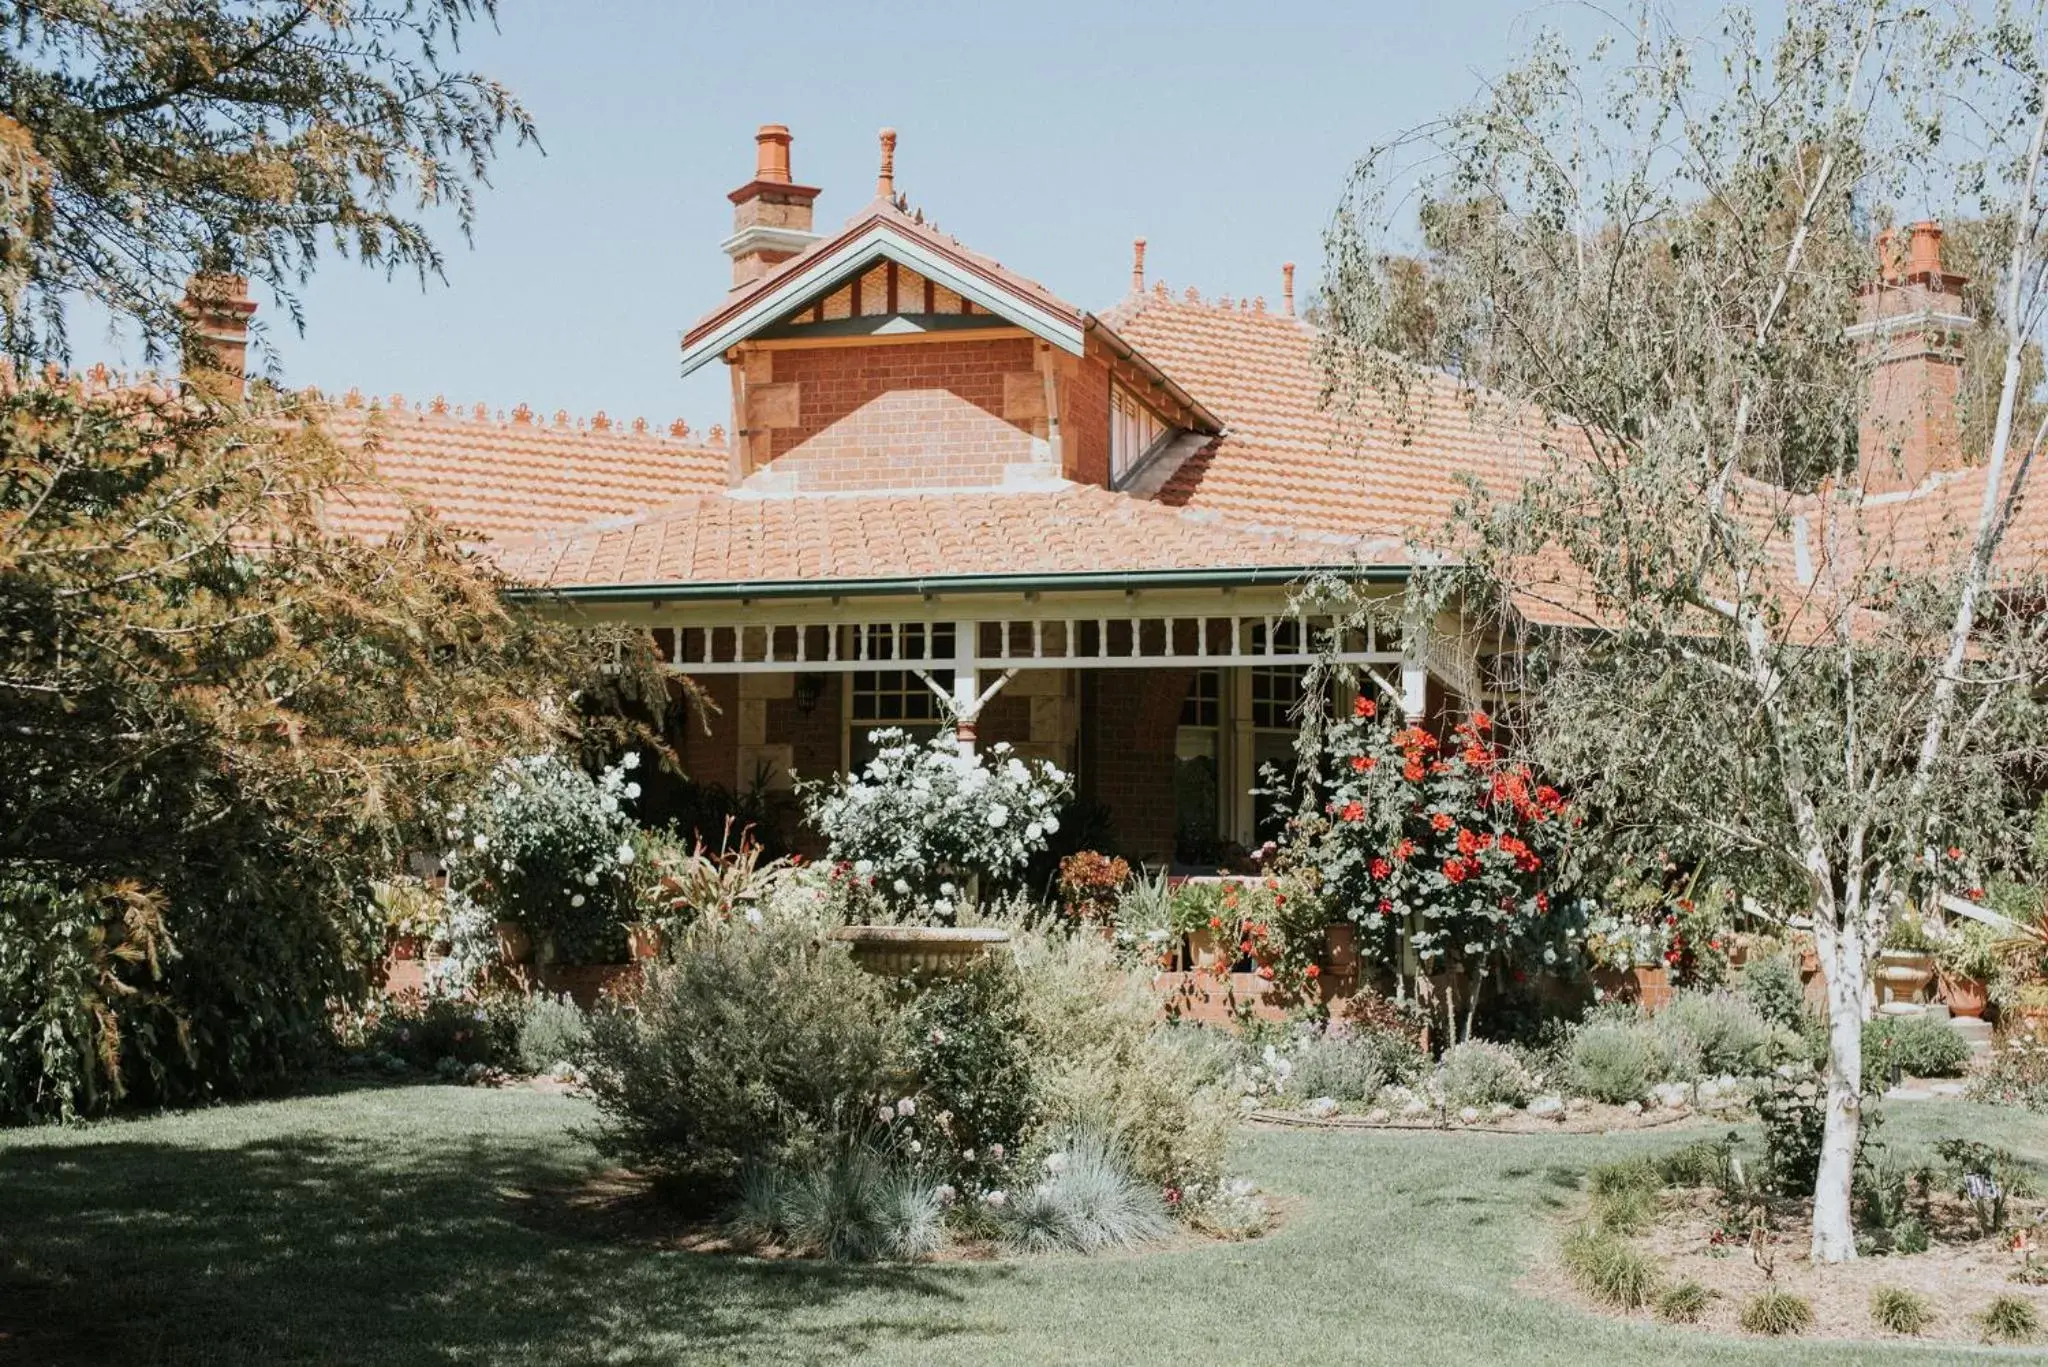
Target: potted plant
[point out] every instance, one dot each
(1905, 965)
(1967, 961)
(413, 915)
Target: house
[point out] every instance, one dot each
(951, 498)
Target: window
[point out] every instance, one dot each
(1197, 754)
(898, 697)
(1133, 428)
(1276, 694)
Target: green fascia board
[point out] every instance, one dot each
(1079, 582)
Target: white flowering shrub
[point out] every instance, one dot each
(921, 814)
(550, 847)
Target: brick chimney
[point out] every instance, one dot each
(771, 217)
(1912, 317)
(217, 309)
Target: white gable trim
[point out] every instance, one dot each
(884, 243)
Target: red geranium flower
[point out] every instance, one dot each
(1404, 849)
(1363, 764)
(1412, 771)
(1456, 869)
(1482, 722)
(1440, 821)
(1314, 970)
(1364, 707)
(1353, 811)
(1266, 972)
(1382, 869)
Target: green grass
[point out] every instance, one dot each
(379, 1225)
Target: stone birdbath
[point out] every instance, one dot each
(900, 951)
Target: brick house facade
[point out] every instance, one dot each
(949, 498)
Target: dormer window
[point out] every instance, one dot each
(1133, 430)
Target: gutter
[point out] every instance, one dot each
(1125, 351)
(1129, 581)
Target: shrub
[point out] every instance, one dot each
(920, 812)
(1706, 1034)
(549, 846)
(1608, 1269)
(1611, 1062)
(1899, 1311)
(1683, 1303)
(1231, 1211)
(966, 1041)
(748, 1043)
(1777, 1313)
(1104, 1064)
(853, 1206)
(2016, 1075)
(1794, 1113)
(1920, 1045)
(1091, 885)
(2010, 1319)
(1352, 1067)
(1481, 1073)
(447, 1033)
(551, 1030)
(1089, 1199)
(1771, 984)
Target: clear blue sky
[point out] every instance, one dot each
(1046, 135)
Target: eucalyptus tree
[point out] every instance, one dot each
(1641, 264)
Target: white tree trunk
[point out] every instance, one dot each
(1842, 958)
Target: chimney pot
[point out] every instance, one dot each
(771, 153)
(1287, 288)
(1923, 251)
(1138, 265)
(217, 309)
(885, 180)
(771, 217)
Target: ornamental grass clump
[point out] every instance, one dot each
(552, 1030)
(1683, 1303)
(1482, 1073)
(2010, 1319)
(1609, 1269)
(1899, 1311)
(856, 1206)
(1777, 1313)
(1088, 1199)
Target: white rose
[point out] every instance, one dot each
(998, 816)
(1034, 831)
(632, 790)
(631, 760)
(1051, 824)
(590, 879)
(945, 889)
(480, 842)
(625, 853)
(863, 867)
(577, 900)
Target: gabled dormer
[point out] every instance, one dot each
(891, 357)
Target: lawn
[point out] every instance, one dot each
(381, 1224)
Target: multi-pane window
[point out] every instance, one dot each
(1197, 751)
(899, 697)
(1276, 689)
(1133, 428)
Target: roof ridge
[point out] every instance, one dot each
(600, 423)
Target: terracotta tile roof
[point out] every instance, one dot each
(723, 539)
(880, 213)
(1286, 460)
(496, 479)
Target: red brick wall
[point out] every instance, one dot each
(813, 740)
(928, 413)
(1084, 424)
(1007, 717)
(713, 758)
(1128, 718)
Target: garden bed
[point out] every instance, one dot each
(1591, 1119)
(1957, 1279)
(622, 1208)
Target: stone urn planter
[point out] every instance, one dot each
(900, 951)
(1964, 996)
(1902, 973)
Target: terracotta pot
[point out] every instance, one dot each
(1738, 950)
(408, 946)
(1204, 951)
(1340, 948)
(515, 946)
(1647, 986)
(644, 940)
(1964, 996)
(586, 983)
